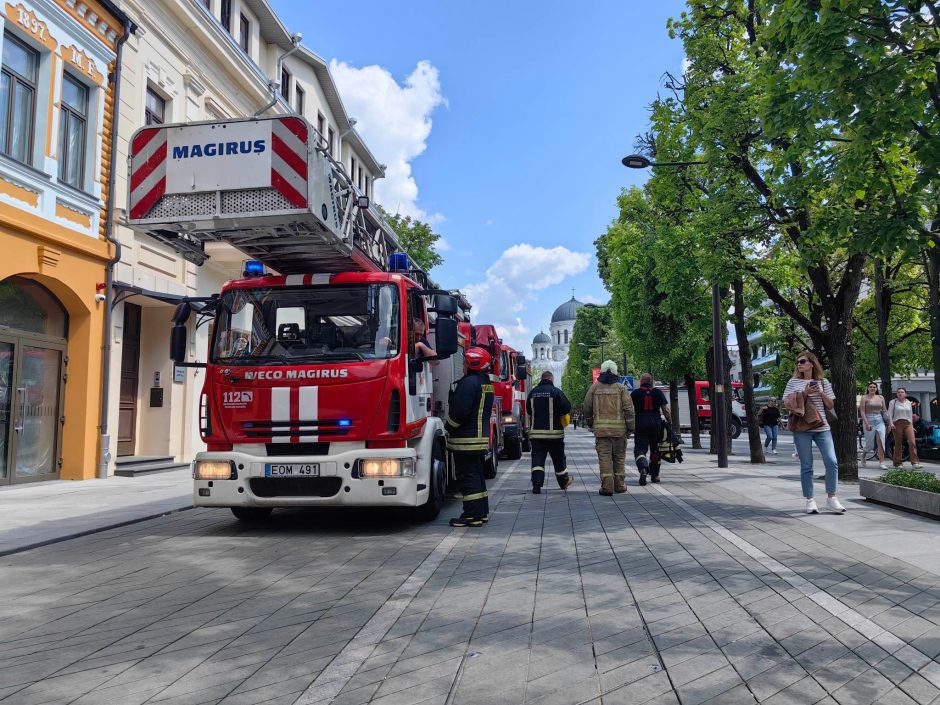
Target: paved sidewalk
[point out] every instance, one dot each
(39, 513)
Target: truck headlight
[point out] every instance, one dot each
(214, 470)
(387, 467)
(508, 419)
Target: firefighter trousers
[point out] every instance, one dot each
(469, 466)
(649, 432)
(541, 449)
(611, 459)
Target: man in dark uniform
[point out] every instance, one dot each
(468, 435)
(546, 405)
(650, 405)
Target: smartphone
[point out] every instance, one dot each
(813, 383)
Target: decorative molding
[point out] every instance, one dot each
(20, 191)
(74, 215)
(84, 63)
(194, 84)
(95, 18)
(27, 20)
(47, 257)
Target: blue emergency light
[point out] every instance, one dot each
(254, 268)
(398, 262)
(343, 423)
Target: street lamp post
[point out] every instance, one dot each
(638, 161)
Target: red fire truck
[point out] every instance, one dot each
(315, 393)
(513, 377)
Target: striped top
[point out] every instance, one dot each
(794, 384)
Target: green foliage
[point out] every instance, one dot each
(417, 239)
(908, 478)
(590, 328)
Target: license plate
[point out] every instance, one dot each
(292, 470)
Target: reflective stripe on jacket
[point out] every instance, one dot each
(546, 405)
(468, 414)
(608, 409)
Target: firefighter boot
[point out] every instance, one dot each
(642, 466)
(463, 521)
(538, 479)
(564, 479)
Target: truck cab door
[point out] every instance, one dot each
(420, 381)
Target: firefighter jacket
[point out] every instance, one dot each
(608, 408)
(469, 413)
(546, 405)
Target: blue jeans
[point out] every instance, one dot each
(770, 433)
(803, 440)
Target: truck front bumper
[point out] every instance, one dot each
(334, 485)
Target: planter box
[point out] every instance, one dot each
(927, 503)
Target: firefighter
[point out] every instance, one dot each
(468, 435)
(651, 406)
(546, 405)
(608, 411)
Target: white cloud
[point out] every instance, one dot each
(488, 222)
(395, 122)
(588, 299)
(513, 280)
(442, 245)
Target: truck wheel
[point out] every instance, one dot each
(252, 513)
(430, 509)
(491, 463)
(513, 448)
(735, 430)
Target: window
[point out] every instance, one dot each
(367, 187)
(360, 179)
(225, 15)
(352, 169)
(17, 99)
(566, 337)
(330, 136)
(299, 94)
(154, 109)
(73, 117)
(285, 84)
(321, 124)
(244, 33)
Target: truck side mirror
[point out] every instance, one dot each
(178, 342)
(521, 372)
(182, 312)
(445, 305)
(445, 337)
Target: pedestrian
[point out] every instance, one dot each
(809, 388)
(901, 420)
(608, 412)
(769, 418)
(650, 405)
(546, 405)
(468, 435)
(574, 421)
(873, 410)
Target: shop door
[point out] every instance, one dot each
(130, 366)
(31, 378)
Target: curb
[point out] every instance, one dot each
(87, 532)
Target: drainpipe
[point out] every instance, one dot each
(275, 83)
(105, 457)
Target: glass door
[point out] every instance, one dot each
(36, 409)
(7, 393)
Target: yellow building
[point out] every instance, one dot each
(59, 69)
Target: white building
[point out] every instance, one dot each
(550, 351)
(195, 60)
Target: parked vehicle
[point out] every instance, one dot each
(704, 409)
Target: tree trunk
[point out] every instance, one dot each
(674, 403)
(693, 413)
(932, 258)
(729, 390)
(844, 430)
(747, 376)
(710, 372)
(882, 310)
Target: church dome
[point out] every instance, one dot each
(541, 338)
(568, 311)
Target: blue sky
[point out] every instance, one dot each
(503, 124)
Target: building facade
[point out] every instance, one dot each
(59, 63)
(550, 351)
(195, 60)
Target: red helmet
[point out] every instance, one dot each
(478, 359)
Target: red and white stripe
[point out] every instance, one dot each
(306, 279)
(148, 171)
(295, 404)
(289, 159)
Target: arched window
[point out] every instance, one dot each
(566, 336)
(28, 306)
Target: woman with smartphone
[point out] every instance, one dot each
(901, 421)
(809, 379)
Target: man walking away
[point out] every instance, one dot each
(468, 435)
(608, 411)
(546, 405)
(650, 405)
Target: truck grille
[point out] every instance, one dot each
(281, 450)
(295, 486)
(283, 429)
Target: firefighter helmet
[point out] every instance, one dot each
(478, 359)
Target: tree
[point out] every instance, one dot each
(417, 239)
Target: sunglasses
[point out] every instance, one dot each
(802, 361)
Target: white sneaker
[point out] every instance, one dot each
(917, 466)
(811, 506)
(897, 467)
(774, 452)
(882, 466)
(864, 462)
(833, 505)
(794, 455)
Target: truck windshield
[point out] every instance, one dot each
(292, 325)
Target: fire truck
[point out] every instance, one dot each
(319, 389)
(513, 377)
